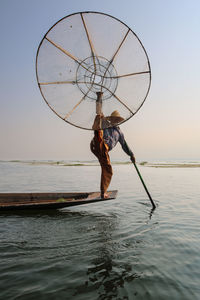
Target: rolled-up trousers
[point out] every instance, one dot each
(100, 150)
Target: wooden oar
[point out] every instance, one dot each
(153, 204)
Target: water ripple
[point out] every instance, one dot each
(116, 250)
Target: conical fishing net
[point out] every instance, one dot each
(86, 53)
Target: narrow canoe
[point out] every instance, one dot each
(17, 201)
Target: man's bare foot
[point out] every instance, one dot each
(104, 195)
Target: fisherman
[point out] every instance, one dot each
(104, 141)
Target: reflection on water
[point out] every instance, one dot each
(110, 270)
(108, 278)
(117, 250)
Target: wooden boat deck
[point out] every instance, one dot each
(16, 201)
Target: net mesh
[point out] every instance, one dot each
(91, 52)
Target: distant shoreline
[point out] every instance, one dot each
(70, 163)
(171, 165)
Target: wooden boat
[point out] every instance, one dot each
(19, 201)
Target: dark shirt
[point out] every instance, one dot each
(112, 136)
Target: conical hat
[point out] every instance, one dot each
(115, 117)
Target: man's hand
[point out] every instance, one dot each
(132, 159)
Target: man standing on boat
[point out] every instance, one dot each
(104, 141)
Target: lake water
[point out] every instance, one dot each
(118, 249)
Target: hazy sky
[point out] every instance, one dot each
(168, 124)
